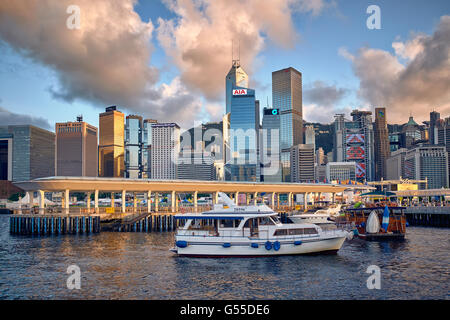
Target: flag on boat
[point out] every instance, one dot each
(385, 222)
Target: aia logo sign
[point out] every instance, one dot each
(239, 92)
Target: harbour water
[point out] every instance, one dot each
(139, 266)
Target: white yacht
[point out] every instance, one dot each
(242, 231)
(320, 217)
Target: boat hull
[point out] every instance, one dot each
(245, 249)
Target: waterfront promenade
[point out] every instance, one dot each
(154, 189)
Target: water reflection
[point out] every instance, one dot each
(139, 266)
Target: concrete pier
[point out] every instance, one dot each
(428, 216)
(53, 225)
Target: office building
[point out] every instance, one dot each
(339, 138)
(26, 153)
(321, 173)
(427, 162)
(134, 134)
(310, 135)
(320, 157)
(236, 77)
(432, 131)
(341, 171)
(302, 163)
(147, 147)
(165, 150)
(354, 143)
(111, 143)
(243, 164)
(395, 165)
(76, 149)
(443, 136)
(270, 146)
(381, 143)
(411, 133)
(287, 97)
(196, 166)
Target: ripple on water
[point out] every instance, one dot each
(139, 266)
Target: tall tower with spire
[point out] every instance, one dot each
(236, 77)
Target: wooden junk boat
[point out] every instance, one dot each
(371, 222)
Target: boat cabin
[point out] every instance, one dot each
(257, 225)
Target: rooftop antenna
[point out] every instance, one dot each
(239, 51)
(267, 102)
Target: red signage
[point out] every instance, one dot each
(239, 92)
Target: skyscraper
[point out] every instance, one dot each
(443, 137)
(381, 143)
(359, 144)
(165, 150)
(287, 97)
(147, 147)
(76, 149)
(428, 162)
(434, 118)
(236, 77)
(111, 145)
(302, 163)
(270, 145)
(133, 147)
(26, 153)
(310, 135)
(244, 164)
(354, 142)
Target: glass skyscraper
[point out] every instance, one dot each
(138, 140)
(243, 163)
(133, 146)
(270, 145)
(147, 147)
(287, 97)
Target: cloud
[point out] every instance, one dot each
(107, 61)
(322, 94)
(322, 114)
(313, 6)
(9, 118)
(199, 39)
(420, 85)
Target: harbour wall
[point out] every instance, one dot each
(428, 216)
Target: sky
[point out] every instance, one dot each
(167, 60)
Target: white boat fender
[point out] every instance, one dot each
(349, 235)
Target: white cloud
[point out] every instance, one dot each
(419, 86)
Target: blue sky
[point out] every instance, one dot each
(25, 80)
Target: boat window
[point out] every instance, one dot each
(310, 231)
(275, 219)
(265, 221)
(301, 231)
(229, 223)
(295, 232)
(281, 232)
(204, 225)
